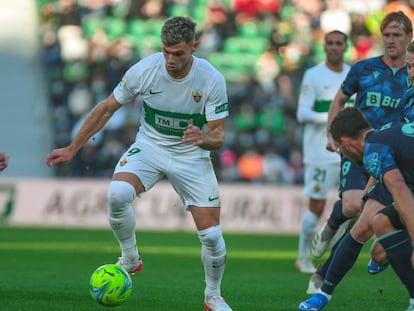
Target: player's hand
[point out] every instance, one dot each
(330, 145)
(4, 161)
(193, 134)
(58, 156)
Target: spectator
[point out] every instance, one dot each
(335, 17)
(80, 48)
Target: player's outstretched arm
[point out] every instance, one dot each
(94, 122)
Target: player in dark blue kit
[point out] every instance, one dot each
(379, 84)
(407, 107)
(406, 115)
(388, 155)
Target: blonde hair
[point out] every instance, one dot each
(398, 17)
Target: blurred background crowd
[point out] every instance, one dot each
(262, 47)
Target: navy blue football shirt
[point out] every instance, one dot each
(379, 90)
(390, 147)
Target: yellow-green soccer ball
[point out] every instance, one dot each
(110, 285)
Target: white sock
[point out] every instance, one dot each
(308, 230)
(213, 257)
(325, 294)
(122, 217)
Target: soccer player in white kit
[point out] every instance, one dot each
(319, 86)
(185, 105)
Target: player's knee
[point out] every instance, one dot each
(211, 237)
(363, 230)
(317, 206)
(120, 195)
(381, 224)
(352, 207)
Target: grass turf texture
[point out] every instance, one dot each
(49, 269)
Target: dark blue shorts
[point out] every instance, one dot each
(393, 216)
(380, 194)
(352, 176)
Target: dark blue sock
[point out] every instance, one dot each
(398, 248)
(322, 269)
(343, 259)
(337, 218)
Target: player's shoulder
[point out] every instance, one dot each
(389, 130)
(369, 63)
(318, 67)
(204, 66)
(316, 70)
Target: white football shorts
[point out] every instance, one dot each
(193, 178)
(319, 179)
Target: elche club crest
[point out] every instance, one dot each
(197, 95)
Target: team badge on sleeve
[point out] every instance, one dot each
(123, 161)
(122, 82)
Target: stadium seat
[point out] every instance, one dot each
(90, 25)
(115, 27)
(136, 27)
(238, 44)
(249, 30)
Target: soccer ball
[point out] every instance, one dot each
(110, 285)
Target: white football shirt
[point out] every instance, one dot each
(318, 89)
(169, 104)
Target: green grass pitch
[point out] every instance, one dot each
(49, 269)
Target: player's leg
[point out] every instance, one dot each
(121, 194)
(200, 194)
(353, 179)
(316, 280)
(344, 257)
(378, 262)
(308, 228)
(323, 238)
(122, 191)
(319, 179)
(213, 253)
(350, 247)
(397, 245)
(343, 210)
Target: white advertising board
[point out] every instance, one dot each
(246, 208)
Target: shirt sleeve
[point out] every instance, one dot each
(130, 85)
(350, 85)
(307, 96)
(217, 106)
(379, 159)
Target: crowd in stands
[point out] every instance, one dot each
(262, 47)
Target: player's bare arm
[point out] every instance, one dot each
(212, 140)
(337, 104)
(403, 198)
(371, 183)
(94, 122)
